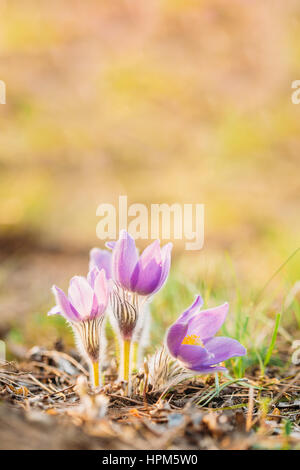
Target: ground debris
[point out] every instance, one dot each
(47, 403)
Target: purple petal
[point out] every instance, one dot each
(95, 308)
(81, 296)
(147, 273)
(151, 252)
(54, 311)
(102, 260)
(192, 310)
(148, 279)
(101, 291)
(209, 369)
(110, 245)
(222, 348)
(208, 322)
(166, 263)
(175, 335)
(192, 355)
(124, 259)
(92, 274)
(64, 305)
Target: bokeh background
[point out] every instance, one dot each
(183, 101)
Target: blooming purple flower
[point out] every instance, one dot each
(144, 274)
(87, 297)
(84, 308)
(191, 339)
(135, 279)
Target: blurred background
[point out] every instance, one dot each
(184, 101)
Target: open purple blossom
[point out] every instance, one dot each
(87, 297)
(84, 308)
(191, 339)
(144, 274)
(136, 278)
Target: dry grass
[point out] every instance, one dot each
(46, 403)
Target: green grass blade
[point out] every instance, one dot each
(273, 340)
(214, 393)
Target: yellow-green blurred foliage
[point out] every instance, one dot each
(163, 101)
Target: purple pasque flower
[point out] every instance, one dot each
(144, 274)
(191, 339)
(136, 278)
(87, 297)
(84, 308)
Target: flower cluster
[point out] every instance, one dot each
(120, 286)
